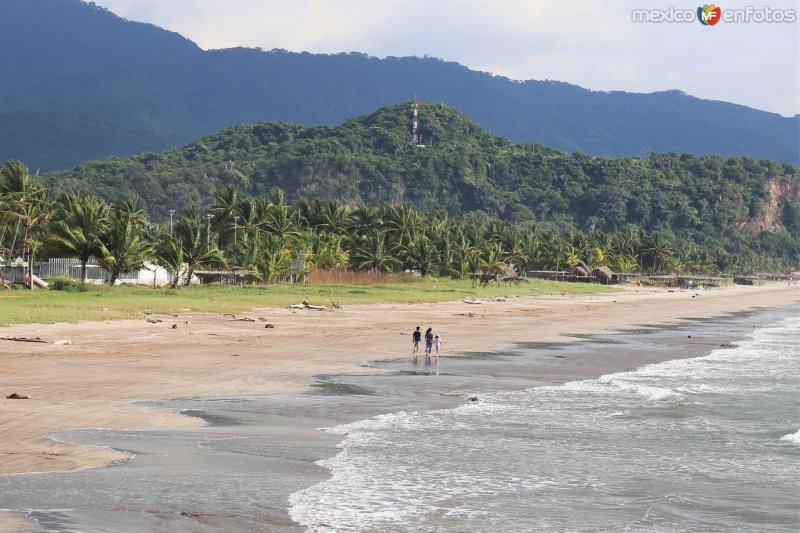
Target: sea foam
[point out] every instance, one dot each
(794, 438)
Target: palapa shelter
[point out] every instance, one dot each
(580, 271)
(604, 274)
(226, 277)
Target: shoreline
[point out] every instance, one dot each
(108, 366)
(145, 351)
(582, 357)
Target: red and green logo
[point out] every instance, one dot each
(708, 15)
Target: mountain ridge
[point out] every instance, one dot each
(96, 85)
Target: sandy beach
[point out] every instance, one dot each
(90, 375)
(92, 380)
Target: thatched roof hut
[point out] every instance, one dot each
(580, 271)
(604, 273)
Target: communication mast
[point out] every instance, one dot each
(416, 136)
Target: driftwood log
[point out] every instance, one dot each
(24, 339)
(305, 305)
(242, 318)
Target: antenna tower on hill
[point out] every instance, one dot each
(416, 136)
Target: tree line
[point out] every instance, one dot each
(370, 160)
(264, 234)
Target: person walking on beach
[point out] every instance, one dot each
(437, 343)
(428, 344)
(417, 339)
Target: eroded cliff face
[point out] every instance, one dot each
(771, 216)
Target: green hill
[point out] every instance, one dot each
(462, 168)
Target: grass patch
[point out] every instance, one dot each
(114, 303)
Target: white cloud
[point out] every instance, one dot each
(590, 43)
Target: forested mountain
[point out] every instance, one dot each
(463, 168)
(81, 83)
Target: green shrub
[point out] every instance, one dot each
(62, 283)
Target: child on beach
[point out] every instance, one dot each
(437, 343)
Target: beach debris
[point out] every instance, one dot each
(193, 515)
(174, 326)
(269, 326)
(244, 318)
(154, 320)
(728, 345)
(24, 339)
(62, 341)
(561, 357)
(466, 314)
(17, 396)
(234, 355)
(472, 301)
(472, 399)
(306, 305)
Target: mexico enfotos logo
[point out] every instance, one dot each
(710, 15)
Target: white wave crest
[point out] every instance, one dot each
(794, 438)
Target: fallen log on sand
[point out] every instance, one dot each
(243, 318)
(308, 306)
(17, 396)
(24, 339)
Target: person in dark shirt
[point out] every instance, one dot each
(428, 344)
(417, 339)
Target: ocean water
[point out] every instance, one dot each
(704, 444)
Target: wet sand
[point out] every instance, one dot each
(93, 382)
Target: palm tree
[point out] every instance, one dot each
(403, 224)
(283, 222)
(199, 247)
(335, 218)
(466, 255)
(169, 254)
(625, 263)
(251, 219)
(270, 258)
(512, 241)
(326, 250)
(366, 219)
(125, 246)
(422, 255)
(225, 211)
(658, 249)
(492, 261)
(25, 200)
(80, 223)
(371, 253)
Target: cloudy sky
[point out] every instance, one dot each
(594, 44)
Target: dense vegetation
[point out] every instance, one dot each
(265, 234)
(87, 84)
(464, 169)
